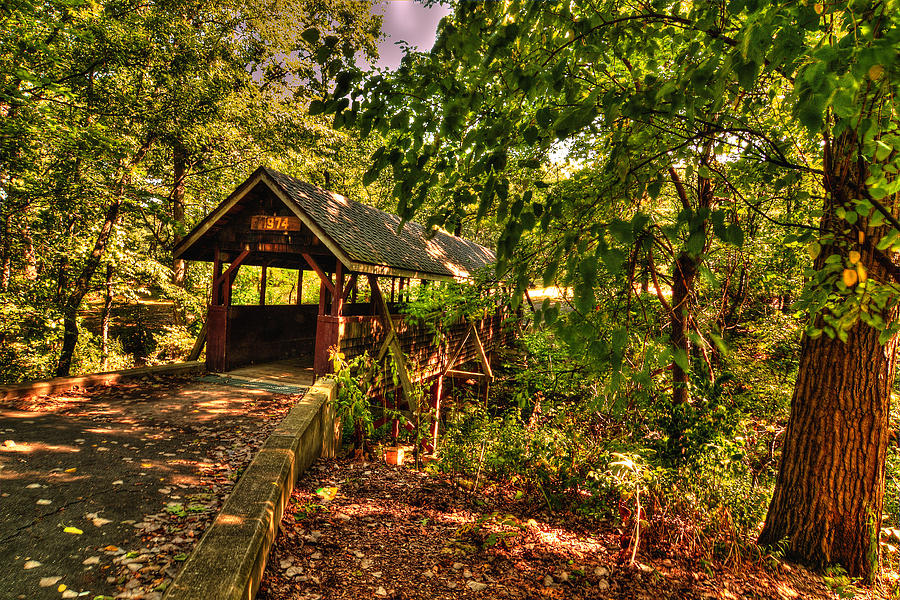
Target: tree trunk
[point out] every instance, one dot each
(682, 286)
(829, 491)
(5, 249)
(29, 256)
(82, 284)
(179, 266)
(81, 287)
(104, 319)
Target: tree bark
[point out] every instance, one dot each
(5, 250)
(179, 266)
(104, 319)
(684, 275)
(30, 268)
(829, 492)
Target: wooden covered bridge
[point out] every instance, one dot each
(366, 265)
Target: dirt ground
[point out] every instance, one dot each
(104, 492)
(369, 530)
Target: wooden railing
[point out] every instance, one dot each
(428, 352)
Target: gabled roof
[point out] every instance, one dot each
(364, 238)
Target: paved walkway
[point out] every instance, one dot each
(105, 492)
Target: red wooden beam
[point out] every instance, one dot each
(326, 280)
(337, 295)
(227, 278)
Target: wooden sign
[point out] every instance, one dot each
(276, 223)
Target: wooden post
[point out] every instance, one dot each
(300, 286)
(263, 275)
(323, 291)
(438, 390)
(400, 287)
(337, 298)
(395, 423)
(226, 290)
(227, 278)
(214, 297)
(393, 285)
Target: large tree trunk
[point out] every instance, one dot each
(830, 486)
(829, 491)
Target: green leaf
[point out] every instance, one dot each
(680, 357)
(736, 234)
(371, 175)
(311, 35)
(316, 107)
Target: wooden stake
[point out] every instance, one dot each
(485, 363)
(438, 392)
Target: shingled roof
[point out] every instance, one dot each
(364, 238)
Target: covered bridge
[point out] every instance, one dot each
(274, 220)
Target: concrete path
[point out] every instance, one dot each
(106, 491)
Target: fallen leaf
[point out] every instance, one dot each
(118, 482)
(61, 588)
(73, 530)
(94, 560)
(327, 493)
(100, 521)
(44, 502)
(32, 564)
(72, 470)
(32, 486)
(48, 581)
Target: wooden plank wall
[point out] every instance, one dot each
(216, 332)
(257, 333)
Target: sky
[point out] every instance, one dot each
(408, 21)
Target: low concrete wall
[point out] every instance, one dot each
(62, 384)
(229, 561)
